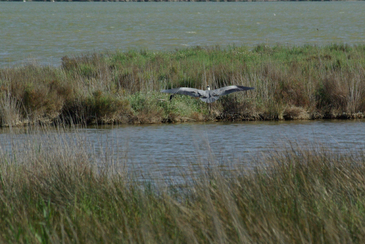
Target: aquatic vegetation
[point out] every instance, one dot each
(297, 195)
(291, 82)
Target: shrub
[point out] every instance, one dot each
(100, 108)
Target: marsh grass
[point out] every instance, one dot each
(53, 190)
(291, 82)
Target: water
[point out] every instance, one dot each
(164, 149)
(48, 31)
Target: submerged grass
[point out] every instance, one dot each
(291, 82)
(59, 194)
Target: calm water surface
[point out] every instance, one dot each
(163, 149)
(48, 31)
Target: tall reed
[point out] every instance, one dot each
(55, 190)
(291, 82)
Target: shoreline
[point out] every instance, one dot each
(291, 83)
(135, 120)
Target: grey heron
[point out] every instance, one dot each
(208, 95)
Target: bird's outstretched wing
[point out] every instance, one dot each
(185, 91)
(229, 89)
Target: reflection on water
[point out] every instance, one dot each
(161, 149)
(48, 31)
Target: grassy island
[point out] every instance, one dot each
(291, 82)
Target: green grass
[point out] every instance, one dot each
(295, 195)
(291, 82)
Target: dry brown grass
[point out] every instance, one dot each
(290, 83)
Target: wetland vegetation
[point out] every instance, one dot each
(59, 194)
(291, 82)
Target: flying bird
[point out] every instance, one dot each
(208, 95)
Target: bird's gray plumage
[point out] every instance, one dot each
(208, 95)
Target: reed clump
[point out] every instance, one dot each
(291, 82)
(67, 194)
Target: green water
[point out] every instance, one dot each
(48, 31)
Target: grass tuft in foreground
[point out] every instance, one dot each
(291, 82)
(293, 196)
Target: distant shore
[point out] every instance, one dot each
(297, 82)
(177, 1)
